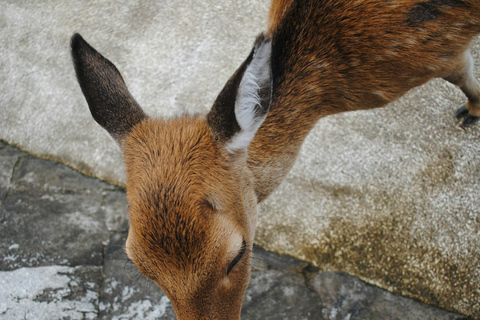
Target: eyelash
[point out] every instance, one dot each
(238, 257)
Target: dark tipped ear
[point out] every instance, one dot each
(108, 98)
(242, 105)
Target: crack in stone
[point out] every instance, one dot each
(17, 164)
(308, 273)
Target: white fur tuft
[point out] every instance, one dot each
(256, 77)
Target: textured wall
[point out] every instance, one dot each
(389, 195)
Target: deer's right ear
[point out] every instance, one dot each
(242, 105)
(111, 104)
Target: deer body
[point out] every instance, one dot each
(337, 56)
(193, 182)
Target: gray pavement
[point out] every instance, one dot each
(62, 236)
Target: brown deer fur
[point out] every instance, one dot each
(334, 56)
(187, 197)
(192, 186)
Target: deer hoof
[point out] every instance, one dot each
(468, 119)
(461, 112)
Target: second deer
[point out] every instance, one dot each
(193, 182)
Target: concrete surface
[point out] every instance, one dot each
(388, 195)
(62, 258)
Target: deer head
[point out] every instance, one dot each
(192, 206)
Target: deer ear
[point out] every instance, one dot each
(242, 105)
(111, 104)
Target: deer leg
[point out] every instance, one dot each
(464, 78)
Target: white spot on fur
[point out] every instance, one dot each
(395, 44)
(354, 62)
(381, 94)
(320, 65)
(391, 53)
(470, 63)
(257, 76)
(410, 41)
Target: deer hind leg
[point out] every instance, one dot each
(464, 78)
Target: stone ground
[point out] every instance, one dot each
(62, 237)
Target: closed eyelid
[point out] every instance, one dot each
(238, 257)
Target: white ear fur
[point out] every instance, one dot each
(249, 111)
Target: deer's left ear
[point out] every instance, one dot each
(242, 105)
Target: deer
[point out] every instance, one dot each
(193, 182)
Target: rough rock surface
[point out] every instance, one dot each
(62, 258)
(388, 195)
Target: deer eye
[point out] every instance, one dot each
(238, 257)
